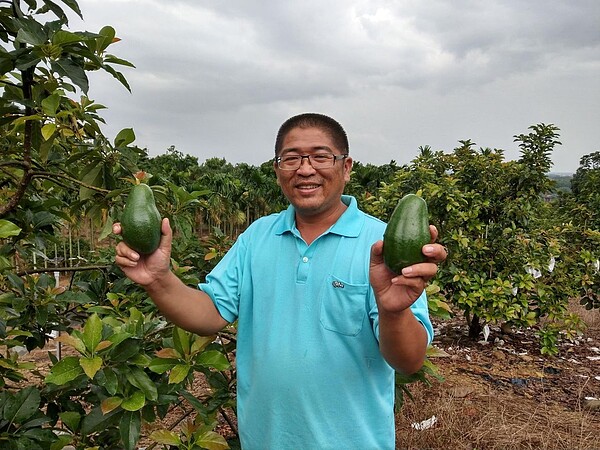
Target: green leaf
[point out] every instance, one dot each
(212, 441)
(165, 437)
(91, 365)
(67, 369)
(27, 60)
(182, 341)
(31, 32)
(106, 229)
(214, 359)
(71, 419)
(140, 379)
(8, 229)
(92, 178)
(200, 343)
(200, 408)
(118, 75)
(107, 36)
(125, 137)
(129, 428)
(61, 442)
(96, 421)
(74, 6)
(114, 60)
(179, 372)
(134, 402)
(108, 379)
(50, 105)
(92, 333)
(161, 365)
(68, 68)
(48, 131)
(62, 37)
(22, 406)
(126, 350)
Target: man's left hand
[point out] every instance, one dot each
(396, 292)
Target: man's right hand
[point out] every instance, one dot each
(145, 269)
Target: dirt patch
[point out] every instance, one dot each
(503, 394)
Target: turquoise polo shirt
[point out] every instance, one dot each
(310, 373)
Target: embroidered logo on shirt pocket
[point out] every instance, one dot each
(343, 307)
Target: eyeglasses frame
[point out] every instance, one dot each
(309, 157)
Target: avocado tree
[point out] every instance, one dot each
(56, 166)
(580, 222)
(506, 262)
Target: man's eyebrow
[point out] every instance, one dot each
(294, 149)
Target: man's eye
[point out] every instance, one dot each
(321, 158)
(289, 159)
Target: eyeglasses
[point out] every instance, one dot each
(317, 161)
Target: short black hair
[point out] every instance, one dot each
(314, 120)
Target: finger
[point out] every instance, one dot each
(434, 233)
(166, 239)
(377, 248)
(422, 270)
(124, 262)
(414, 283)
(377, 253)
(435, 252)
(123, 251)
(116, 228)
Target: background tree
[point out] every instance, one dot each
(504, 264)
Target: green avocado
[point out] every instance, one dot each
(140, 221)
(406, 233)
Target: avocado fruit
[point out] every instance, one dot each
(140, 221)
(406, 233)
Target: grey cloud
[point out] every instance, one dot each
(399, 73)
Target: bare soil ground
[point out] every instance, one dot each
(503, 394)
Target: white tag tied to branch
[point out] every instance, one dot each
(551, 264)
(534, 272)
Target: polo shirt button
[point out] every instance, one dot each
(305, 259)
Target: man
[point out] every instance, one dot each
(322, 322)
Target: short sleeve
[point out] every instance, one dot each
(419, 308)
(223, 283)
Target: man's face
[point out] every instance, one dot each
(312, 191)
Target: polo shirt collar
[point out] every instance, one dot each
(349, 223)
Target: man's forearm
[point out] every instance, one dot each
(402, 341)
(185, 306)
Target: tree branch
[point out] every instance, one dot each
(50, 176)
(14, 163)
(27, 78)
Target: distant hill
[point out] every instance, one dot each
(562, 180)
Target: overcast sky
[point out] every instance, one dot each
(217, 78)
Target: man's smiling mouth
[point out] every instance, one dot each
(307, 186)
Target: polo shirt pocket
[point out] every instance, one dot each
(343, 307)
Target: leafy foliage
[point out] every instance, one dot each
(512, 258)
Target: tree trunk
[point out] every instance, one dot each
(474, 327)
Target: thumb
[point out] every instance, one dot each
(377, 252)
(167, 234)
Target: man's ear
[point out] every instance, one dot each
(347, 168)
